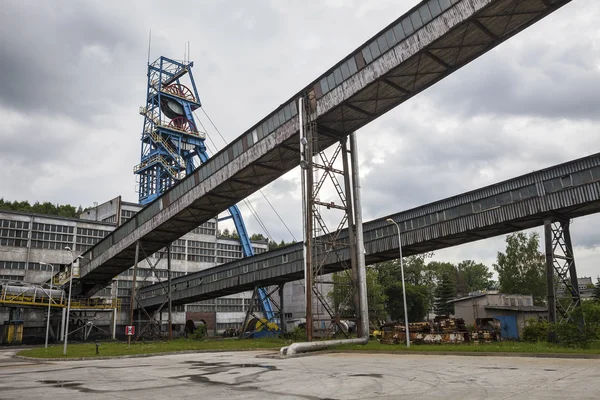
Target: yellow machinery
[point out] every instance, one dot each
(12, 332)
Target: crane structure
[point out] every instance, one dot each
(172, 146)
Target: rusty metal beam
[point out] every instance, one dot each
(393, 85)
(359, 110)
(483, 29)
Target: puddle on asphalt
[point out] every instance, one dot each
(369, 375)
(71, 385)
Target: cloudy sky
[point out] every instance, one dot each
(73, 75)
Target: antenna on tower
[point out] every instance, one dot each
(149, 42)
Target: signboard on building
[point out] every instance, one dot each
(129, 330)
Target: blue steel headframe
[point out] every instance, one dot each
(169, 148)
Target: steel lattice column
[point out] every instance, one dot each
(325, 175)
(563, 289)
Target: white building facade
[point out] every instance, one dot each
(26, 240)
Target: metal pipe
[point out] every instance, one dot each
(296, 348)
(307, 194)
(62, 324)
(169, 288)
(114, 327)
(351, 227)
(49, 302)
(406, 330)
(360, 245)
(69, 302)
(132, 305)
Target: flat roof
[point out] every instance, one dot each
(81, 220)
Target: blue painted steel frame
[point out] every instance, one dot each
(155, 177)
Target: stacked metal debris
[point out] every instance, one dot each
(441, 330)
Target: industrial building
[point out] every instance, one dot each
(511, 310)
(31, 243)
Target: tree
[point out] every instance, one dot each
(416, 302)
(472, 276)
(257, 236)
(522, 269)
(596, 294)
(342, 296)
(45, 208)
(444, 292)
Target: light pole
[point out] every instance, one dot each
(69, 301)
(49, 301)
(391, 221)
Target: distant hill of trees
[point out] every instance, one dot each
(46, 208)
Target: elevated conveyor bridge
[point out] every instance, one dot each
(428, 43)
(559, 193)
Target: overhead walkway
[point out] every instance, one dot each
(423, 46)
(564, 191)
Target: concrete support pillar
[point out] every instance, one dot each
(114, 323)
(62, 324)
(363, 328)
(281, 308)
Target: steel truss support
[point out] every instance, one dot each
(153, 322)
(563, 288)
(321, 172)
(255, 306)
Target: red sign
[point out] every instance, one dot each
(129, 330)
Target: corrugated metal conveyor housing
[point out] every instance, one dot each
(568, 190)
(429, 42)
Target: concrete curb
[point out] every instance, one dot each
(474, 354)
(321, 352)
(169, 353)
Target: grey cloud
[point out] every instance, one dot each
(56, 63)
(508, 113)
(533, 74)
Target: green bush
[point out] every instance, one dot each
(535, 330)
(199, 333)
(584, 328)
(297, 335)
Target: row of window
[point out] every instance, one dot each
(195, 244)
(499, 200)
(13, 233)
(52, 228)
(207, 259)
(207, 228)
(12, 277)
(23, 266)
(127, 213)
(41, 244)
(223, 246)
(201, 252)
(82, 247)
(87, 240)
(13, 242)
(97, 233)
(4, 223)
(229, 254)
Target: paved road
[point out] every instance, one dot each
(255, 375)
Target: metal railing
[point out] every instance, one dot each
(38, 296)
